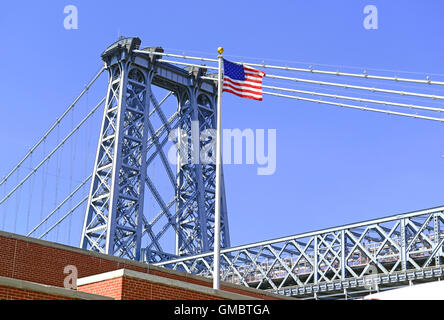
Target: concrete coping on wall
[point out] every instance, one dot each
(162, 281)
(222, 283)
(52, 290)
(71, 248)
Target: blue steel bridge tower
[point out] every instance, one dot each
(134, 136)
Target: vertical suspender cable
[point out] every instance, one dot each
(43, 188)
(17, 204)
(31, 191)
(72, 160)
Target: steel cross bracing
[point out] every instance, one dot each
(115, 221)
(346, 261)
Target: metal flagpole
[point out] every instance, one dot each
(216, 259)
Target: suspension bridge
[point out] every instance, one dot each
(131, 201)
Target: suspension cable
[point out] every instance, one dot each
(44, 182)
(69, 197)
(342, 85)
(309, 70)
(52, 127)
(335, 96)
(64, 217)
(31, 191)
(355, 107)
(175, 55)
(347, 74)
(17, 205)
(188, 64)
(53, 151)
(303, 62)
(348, 86)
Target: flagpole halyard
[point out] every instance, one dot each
(217, 204)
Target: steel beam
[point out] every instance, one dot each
(329, 261)
(117, 219)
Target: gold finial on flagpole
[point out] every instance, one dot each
(220, 50)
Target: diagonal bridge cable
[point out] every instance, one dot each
(53, 126)
(60, 205)
(79, 187)
(64, 217)
(53, 151)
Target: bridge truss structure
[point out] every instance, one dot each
(129, 143)
(343, 262)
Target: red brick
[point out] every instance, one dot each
(43, 263)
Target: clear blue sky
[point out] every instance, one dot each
(334, 166)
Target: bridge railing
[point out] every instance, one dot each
(382, 246)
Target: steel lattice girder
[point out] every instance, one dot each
(335, 259)
(131, 141)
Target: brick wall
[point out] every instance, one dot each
(44, 262)
(134, 289)
(7, 293)
(26, 259)
(126, 288)
(206, 283)
(110, 288)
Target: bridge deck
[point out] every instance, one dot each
(345, 261)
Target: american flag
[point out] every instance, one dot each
(242, 80)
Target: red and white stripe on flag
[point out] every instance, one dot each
(250, 88)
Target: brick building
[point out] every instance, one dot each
(34, 269)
